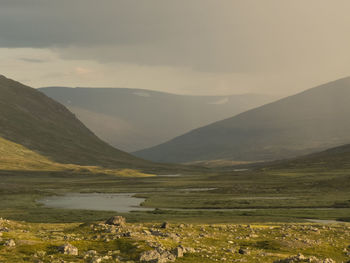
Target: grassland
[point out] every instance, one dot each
(262, 195)
(207, 208)
(98, 242)
(208, 211)
(15, 157)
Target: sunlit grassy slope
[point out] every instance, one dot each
(15, 157)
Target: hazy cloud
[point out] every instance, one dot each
(33, 60)
(272, 42)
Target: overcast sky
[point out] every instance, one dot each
(179, 46)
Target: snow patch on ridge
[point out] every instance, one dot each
(219, 102)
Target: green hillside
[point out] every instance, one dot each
(16, 158)
(46, 128)
(311, 121)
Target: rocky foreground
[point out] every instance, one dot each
(118, 241)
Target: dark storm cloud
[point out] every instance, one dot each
(206, 35)
(40, 23)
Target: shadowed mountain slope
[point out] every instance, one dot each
(310, 121)
(45, 127)
(334, 158)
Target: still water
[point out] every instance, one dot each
(122, 203)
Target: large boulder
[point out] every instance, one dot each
(116, 221)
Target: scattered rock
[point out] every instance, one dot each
(302, 258)
(96, 260)
(150, 256)
(116, 221)
(178, 252)
(165, 225)
(10, 243)
(4, 229)
(243, 251)
(166, 256)
(68, 249)
(160, 255)
(90, 253)
(158, 233)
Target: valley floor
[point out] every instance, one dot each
(258, 215)
(99, 242)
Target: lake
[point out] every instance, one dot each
(122, 203)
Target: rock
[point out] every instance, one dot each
(96, 260)
(159, 255)
(90, 253)
(178, 252)
(165, 225)
(68, 249)
(174, 237)
(40, 253)
(243, 251)
(189, 250)
(302, 258)
(166, 256)
(158, 233)
(10, 243)
(150, 256)
(116, 221)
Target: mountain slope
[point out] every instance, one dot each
(133, 119)
(38, 123)
(334, 158)
(310, 121)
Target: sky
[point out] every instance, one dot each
(199, 47)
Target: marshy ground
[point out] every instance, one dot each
(258, 215)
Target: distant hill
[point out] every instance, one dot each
(36, 126)
(310, 121)
(333, 158)
(133, 119)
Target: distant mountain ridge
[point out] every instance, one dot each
(30, 119)
(310, 121)
(133, 119)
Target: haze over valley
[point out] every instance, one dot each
(307, 122)
(157, 131)
(132, 119)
